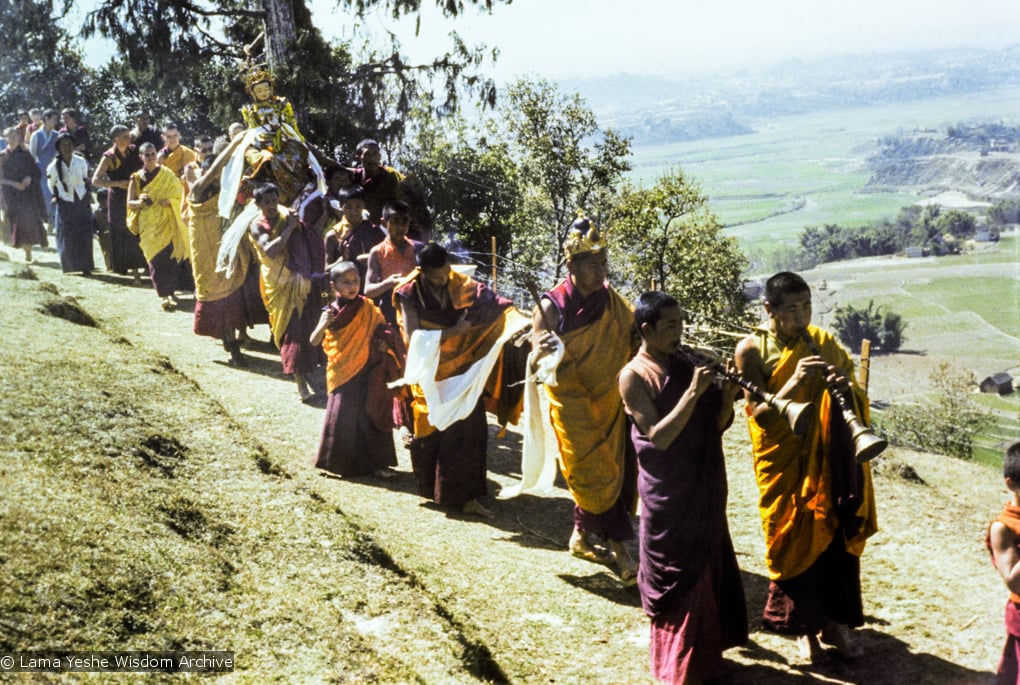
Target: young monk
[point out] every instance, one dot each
(357, 436)
(688, 575)
(817, 504)
(354, 236)
(1003, 542)
(392, 260)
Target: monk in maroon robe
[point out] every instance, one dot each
(688, 576)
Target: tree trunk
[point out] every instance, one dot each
(280, 33)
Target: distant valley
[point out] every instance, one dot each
(654, 110)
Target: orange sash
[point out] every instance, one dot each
(796, 504)
(348, 348)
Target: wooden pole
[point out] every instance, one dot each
(493, 242)
(865, 364)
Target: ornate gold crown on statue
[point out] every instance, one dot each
(582, 236)
(257, 73)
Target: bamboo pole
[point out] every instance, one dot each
(493, 242)
(865, 364)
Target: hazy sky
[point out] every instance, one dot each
(565, 38)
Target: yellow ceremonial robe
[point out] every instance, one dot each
(158, 226)
(793, 472)
(586, 410)
(284, 292)
(181, 156)
(205, 227)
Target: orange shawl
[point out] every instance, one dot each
(1010, 517)
(348, 348)
(793, 472)
(456, 353)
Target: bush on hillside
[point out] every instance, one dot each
(853, 326)
(946, 425)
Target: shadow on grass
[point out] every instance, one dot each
(886, 661)
(121, 280)
(606, 585)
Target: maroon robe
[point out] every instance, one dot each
(577, 311)
(450, 465)
(355, 439)
(126, 252)
(306, 256)
(24, 208)
(688, 575)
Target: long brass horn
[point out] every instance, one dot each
(800, 415)
(867, 445)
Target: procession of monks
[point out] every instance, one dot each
(338, 262)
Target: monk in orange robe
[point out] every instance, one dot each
(1003, 542)
(357, 435)
(817, 504)
(448, 453)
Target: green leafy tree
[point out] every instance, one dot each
(40, 64)
(957, 223)
(667, 236)
(853, 326)
(471, 182)
(1005, 212)
(568, 165)
(341, 92)
(946, 424)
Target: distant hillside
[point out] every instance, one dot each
(980, 160)
(654, 110)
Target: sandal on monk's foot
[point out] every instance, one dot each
(582, 548)
(385, 474)
(475, 507)
(838, 635)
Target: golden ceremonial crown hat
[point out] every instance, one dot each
(582, 236)
(257, 73)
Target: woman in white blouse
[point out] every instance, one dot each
(67, 176)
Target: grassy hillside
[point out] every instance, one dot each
(156, 498)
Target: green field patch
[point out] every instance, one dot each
(1001, 403)
(995, 299)
(910, 308)
(819, 156)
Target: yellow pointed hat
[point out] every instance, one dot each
(582, 236)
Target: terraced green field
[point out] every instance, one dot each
(963, 310)
(809, 169)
